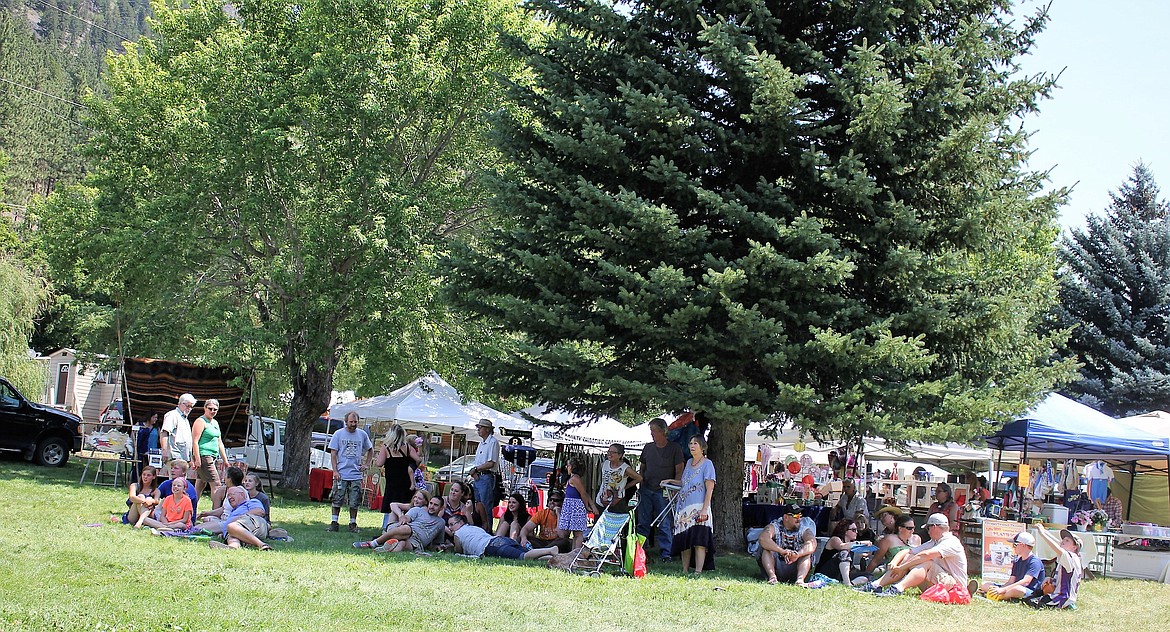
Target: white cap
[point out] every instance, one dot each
(938, 519)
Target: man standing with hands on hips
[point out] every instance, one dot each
(487, 455)
(348, 449)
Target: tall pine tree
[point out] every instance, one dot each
(812, 212)
(1115, 296)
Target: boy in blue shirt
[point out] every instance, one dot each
(1027, 573)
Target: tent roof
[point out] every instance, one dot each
(1059, 427)
(428, 404)
(593, 433)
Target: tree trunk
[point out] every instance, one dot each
(312, 388)
(725, 449)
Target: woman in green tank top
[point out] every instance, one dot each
(205, 435)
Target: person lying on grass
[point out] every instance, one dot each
(398, 510)
(245, 524)
(176, 509)
(415, 531)
(476, 542)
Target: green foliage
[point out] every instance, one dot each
(1115, 297)
(271, 187)
(50, 55)
(804, 212)
(818, 212)
(23, 293)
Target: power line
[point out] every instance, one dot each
(51, 96)
(100, 28)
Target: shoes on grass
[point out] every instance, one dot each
(353, 528)
(868, 587)
(387, 547)
(333, 527)
(216, 544)
(889, 591)
(364, 544)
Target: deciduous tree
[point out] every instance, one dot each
(274, 178)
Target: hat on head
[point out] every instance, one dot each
(1024, 537)
(792, 510)
(888, 509)
(1065, 533)
(938, 519)
(485, 423)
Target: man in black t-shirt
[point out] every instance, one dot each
(661, 460)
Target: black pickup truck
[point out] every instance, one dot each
(44, 434)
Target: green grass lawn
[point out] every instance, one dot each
(61, 574)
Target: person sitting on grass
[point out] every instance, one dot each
(176, 510)
(245, 524)
(143, 496)
(541, 531)
(1068, 572)
(416, 529)
(1027, 574)
(837, 558)
(514, 518)
(786, 549)
(178, 470)
(940, 560)
(476, 542)
(398, 510)
(235, 478)
(255, 489)
(891, 545)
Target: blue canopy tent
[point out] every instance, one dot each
(1061, 428)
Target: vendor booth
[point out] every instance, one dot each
(1103, 450)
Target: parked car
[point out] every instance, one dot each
(44, 434)
(459, 468)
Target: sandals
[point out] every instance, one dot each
(772, 581)
(265, 547)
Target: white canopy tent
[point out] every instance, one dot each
(564, 427)
(428, 404)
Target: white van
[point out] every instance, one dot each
(264, 447)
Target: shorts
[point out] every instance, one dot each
(256, 525)
(207, 471)
(935, 574)
(347, 493)
(1028, 592)
(504, 547)
(785, 572)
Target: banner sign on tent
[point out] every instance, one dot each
(509, 432)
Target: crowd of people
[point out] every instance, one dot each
(673, 506)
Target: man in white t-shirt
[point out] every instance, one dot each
(174, 437)
(487, 457)
(938, 560)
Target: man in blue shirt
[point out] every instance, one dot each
(1027, 573)
(245, 524)
(178, 468)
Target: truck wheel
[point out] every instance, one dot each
(52, 452)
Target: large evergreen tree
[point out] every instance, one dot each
(1115, 297)
(804, 211)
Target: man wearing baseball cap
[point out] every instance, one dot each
(786, 549)
(940, 559)
(1027, 573)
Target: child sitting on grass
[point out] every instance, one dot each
(176, 510)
